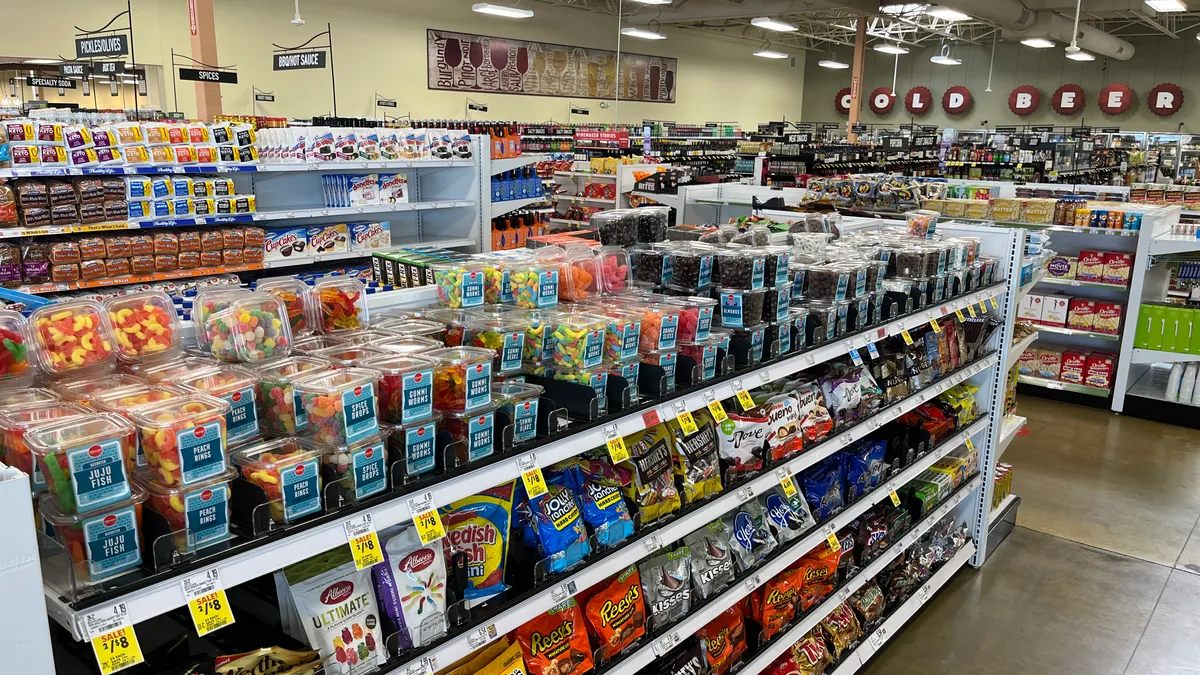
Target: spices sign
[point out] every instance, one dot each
(204, 75)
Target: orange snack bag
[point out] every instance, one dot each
(554, 644)
(617, 613)
(773, 605)
(724, 640)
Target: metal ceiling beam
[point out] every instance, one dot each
(1149, 21)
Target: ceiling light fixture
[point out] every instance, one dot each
(654, 2)
(898, 10)
(767, 23)
(771, 54)
(833, 63)
(944, 58)
(889, 48)
(40, 62)
(947, 14)
(1084, 56)
(643, 33)
(1162, 6)
(1038, 43)
(501, 10)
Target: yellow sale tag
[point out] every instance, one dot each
(211, 612)
(687, 423)
(959, 314)
(934, 325)
(535, 482)
(971, 310)
(895, 498)
(970, 445)
(993, 301)
(789, 487)
(718, 412)
(366, 549)
(834, 544)
(117, 650)
(743, 398)
(429, 526)
(907, 338)
(617, 450)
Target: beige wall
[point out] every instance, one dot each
(380, 46)
(1155, 61)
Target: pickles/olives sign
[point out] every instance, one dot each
(102, 46)
(484, 63)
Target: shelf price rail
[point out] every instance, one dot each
(275, 553)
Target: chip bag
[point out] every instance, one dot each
(724, 640)
(841, 628)
(651, 485)
(617, 614)
(696, 461)
(553, 643)
(478, 526)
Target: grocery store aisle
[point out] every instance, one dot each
(1102, 574)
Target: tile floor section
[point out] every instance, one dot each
(1101, 575)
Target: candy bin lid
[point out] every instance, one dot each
(219, 380)
(367, 336)
(261, 330)
(85, 389)
(291, 367)
(190, 408)
(335, 381)
(512, 390)
(52, 511)
(73, 337)
(315, 343)
(408, 345)
(453, 356)
(398, 364)
(422, 327)
(146, 480)
(278, 453)
(15, 357)
(302, 312)
(135, 396)
(71, 432)
(342, 302)
(22, 417)
(348, 356)
(146, 325)
(173, 369)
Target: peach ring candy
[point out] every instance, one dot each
(145, 325)
(73, 337)
(237, 386)
(198, 514)
(288, 471)
(183, 438)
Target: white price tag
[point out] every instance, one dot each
(419, 504)
(420, 667)
(809, 360)
(878, 638)
(362, 523)
(105, 620)
(783, 473)
(738, 385)
(652, 544)
(872, 350)
(481, 636)
(745, 494)
(924, 592)
(753, 583)
(562, 592)
(765, 376)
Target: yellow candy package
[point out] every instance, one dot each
(696, 461)
(651, 486)
(511, 662)
(478, 526)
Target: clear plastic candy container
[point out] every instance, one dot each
(15, 421)
(428, 328)
(145, 325)
(15, 368)
(579, 341)
(777, 302)
(535, 284)
(417, 444)
(87, 460)
(660, 326)
(651, 223)
(742, 268)
(473, 433)
(704, 353)
(236, 386)
(101, 544)
(367, 336)
(496, 285)
(519, 401)
(342, 303)
(453, 321)
(10, 397)
(582, 275)
(504, 336)
(297, 300)
(359, 468)
(756, 337)
(124, 399)
(740, 307)
(253, 328)
(462, 380)
(651, 266)
(348, 356)
(622, 333)
(405, 387)
(629, 370)
(596, 378)
(184, 438)
(695, 316)
(341, 405)
(73, 337)
(280, 408)
(84, 389)
(666, 359)
(460, 284)
(198, 514)
(692, 265)
(315, 343)
(616, 274)
(539, 331)
(615, 227)
(288, 471)
(407, 345)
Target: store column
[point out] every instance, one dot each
(204, 50)
(856, 73)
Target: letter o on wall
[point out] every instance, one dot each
(1068, 99)
(1165, 99)
(882, 100)
(842, 101)
(918, 100)
(1024, 100)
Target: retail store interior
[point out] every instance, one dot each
(599, 337)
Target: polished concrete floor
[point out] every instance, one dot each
(1102, 574)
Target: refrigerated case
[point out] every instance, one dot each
(1189, 159)
(1166, 149)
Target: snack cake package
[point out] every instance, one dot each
(478, 526)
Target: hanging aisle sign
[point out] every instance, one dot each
(265, 98)
(110, 67)
(101, 47)
(298, 60)
(52, 82)
(204, 75)
(73, 70)
(385, 103)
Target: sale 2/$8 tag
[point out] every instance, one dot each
(686, 422)
(207, 602)
(616, 445)
(531, 475)
(907, 338)
(113, 639)
(426, 518)
(364, 541)
(714, 406)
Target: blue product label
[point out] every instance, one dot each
(480, 439)
(704, 322)
(38, 481)
(941, 261)
(369, 475)
(510, 352)
(161, 188)
(781, 267)
(785, 337)
(731, 310)
(298, 409)
(842, 314)
(358, 405)
(5, 154)
(831, 328)
(756, 343)
(600, 386)
(630, 371)
(842, 283)
(705, 278)
(860, 282)
(419, 444)
(301, 490)
(548, 344)
(202, 452)
(708, 362)
(112, 542)
(241, 422)
(416, 393)
(760, 270)
(593, 349)
(629, 340)
(547, 295)
(524, 414)
(940, 290)
(479, 385)
(665, 277)
(207, 515)
(784, 306)
(97, 474)
(472, 288)
(798, 284)
(667, 362)
(497, 190)
(667, 331)
(506, 292)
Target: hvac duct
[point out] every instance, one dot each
(1019, 23)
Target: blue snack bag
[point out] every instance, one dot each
(822, 487)
(863, 468)
(557, 528)
(600, 499)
